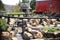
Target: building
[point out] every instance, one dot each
(48, 5)
(25, 6)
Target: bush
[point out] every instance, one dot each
(50, 29)
(3, 24)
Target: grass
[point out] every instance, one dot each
(15, 13)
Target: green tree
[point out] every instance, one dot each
(2, 6)
(33, 4)
(24, 1)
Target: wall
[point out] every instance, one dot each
(42, 6)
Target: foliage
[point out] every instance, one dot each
(2, 6)
(3, 24)
(33, 4)
(50, 29)
(25, 1)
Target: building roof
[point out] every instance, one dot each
(25, 6)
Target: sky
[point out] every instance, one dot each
(11, 2)
(14, 2)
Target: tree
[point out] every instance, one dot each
(16, 8)
(2, 6)
(24, 1)
(33, 4)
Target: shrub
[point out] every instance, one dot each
(50, 29)
(3, 24)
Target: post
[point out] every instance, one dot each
(8, 20)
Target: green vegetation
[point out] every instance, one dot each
(2, 6)
(25, 1)
(33, 4)
(16, 13)
(3, 24)
(50, 29)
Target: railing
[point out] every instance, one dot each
(12, 16)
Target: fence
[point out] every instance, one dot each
(8, 16)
